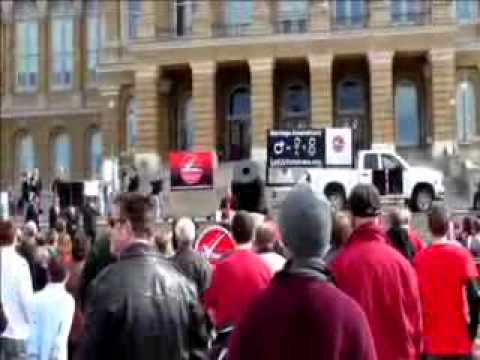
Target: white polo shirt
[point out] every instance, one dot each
(16, 293)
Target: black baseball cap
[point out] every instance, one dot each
(364, 201)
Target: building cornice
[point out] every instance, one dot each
(47, 113)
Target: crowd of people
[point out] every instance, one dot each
(309, 283)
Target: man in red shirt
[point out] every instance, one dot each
(237, 279)
(381, 279)
(446, 273)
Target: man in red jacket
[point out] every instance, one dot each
(302, 315)
(239, 278)
(381, 280)
(446, 272)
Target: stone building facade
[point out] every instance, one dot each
(216, 75)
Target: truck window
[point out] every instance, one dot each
(389, 162)
(371, 162)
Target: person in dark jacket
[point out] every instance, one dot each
(73, 220)
(381, 280)
(90, 213)
(32, 213)
(133, 181)
(398, 235)
(191, 263)
(319, 321)
(54, 213)
(142, 307)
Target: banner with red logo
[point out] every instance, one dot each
(192, 170)
(338, 143)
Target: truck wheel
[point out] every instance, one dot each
(336, 198)
(422, 199)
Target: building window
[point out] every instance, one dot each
(184, 10)
(351, 97)
(62, 155)
(132, 124)
(466, 11)
(135, 18)
(186, 125)
(466, 111)
(239, 125)
(95, 153)
(28, 55)
(93, 40)
(63, 53)
(350, 13)
(293, 16)
(240, 15)
(407, 114)
(296, 106)
(409, 12)
(25, 154)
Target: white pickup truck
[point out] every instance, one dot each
(390, 173)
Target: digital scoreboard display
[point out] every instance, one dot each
(296, 148)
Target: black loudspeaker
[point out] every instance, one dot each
(70, 194)
(248, 188)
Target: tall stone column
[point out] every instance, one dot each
(442, 12)
(321, 90)
(381, 83)
(263, 17)
(443, 91)
(110, 115)
(261, 75)
(110, 32)
(203, 92)
(202, 19)
(320, 16)
(147, 149)
(380, 15)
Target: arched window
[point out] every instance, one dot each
(239, 103)
(239, 16)
(296, 106)
(25, 153)
(407, 114)
(239, 126)
(466, 111)
(95, 153)
(62, 37)
(62, 154)
(132, 124)
(350, 96)
(186, 128)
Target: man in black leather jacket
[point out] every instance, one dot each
(141, 307)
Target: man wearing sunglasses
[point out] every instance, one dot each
(141, 307)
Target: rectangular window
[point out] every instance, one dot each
(93, 45)
(240, 15)
(466, 11)
(62, 41)
(183, 17)
(28, 55)
(350, 13)
(293, 16)
(409, 12)
(135, 18)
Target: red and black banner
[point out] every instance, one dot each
(192, 170)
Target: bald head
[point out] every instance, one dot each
(305, 222)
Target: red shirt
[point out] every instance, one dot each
(236, 281)
(443, 271)
(385, 285)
